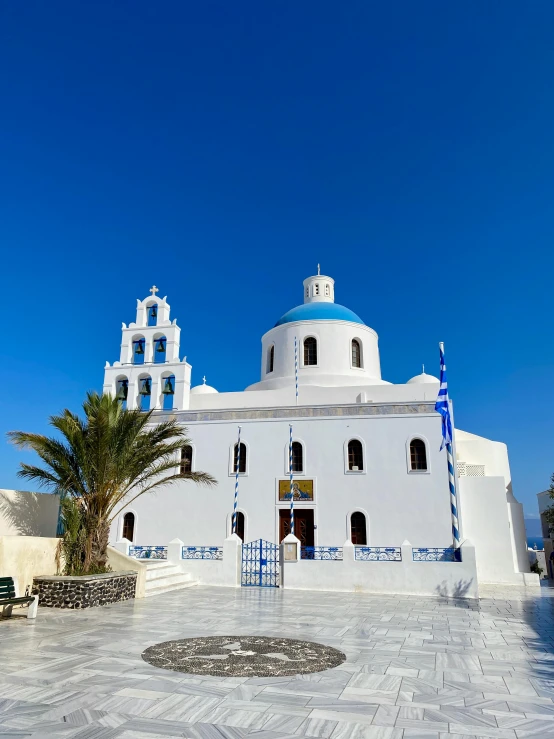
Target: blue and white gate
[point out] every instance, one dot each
(260, 564)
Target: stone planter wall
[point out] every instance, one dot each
(86, 591)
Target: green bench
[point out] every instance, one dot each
(9, 598)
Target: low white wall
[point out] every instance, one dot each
(25, 557)
(28, 514)
(120, 562)
(206, 571)
(453, 579)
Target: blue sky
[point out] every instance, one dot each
(221, 150)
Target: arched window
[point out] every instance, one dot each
(160, 346)
(168, 392)
(270, 358)
(316, 291)
(138, 350)
(355, 455)
(128, 526)
(145, 393)
(297, 457)
(122, 390)
(327, 290)
(240, 525)
(242, 460)
(418, 455)
(356, 353)
(310, 351)
(358, 530)
(152, 313)
(186, 460)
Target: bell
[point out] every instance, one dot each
(140, 348)
(168, 387)
(145, 389)
(161, 346)
(154, 311)
(122, 392)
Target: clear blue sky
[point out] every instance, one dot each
(220, 150)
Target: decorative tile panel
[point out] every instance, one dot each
(321, 553)
(148, 552)
(202, 553)
(378, 554)
(436, 554)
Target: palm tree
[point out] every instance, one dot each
(103, 462)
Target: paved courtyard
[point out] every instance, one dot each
(416, 668)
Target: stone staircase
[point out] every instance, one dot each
(162, 577)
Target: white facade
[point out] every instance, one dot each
(342, 398)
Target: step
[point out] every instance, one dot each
(175, 577)
(160, 572)
(169, 588)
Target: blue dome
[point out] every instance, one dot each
(319, 312)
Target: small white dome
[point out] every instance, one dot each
(422, 379)
(202, 389)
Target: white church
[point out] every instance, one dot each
(365, 455)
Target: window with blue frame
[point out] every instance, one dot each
(122, 390)
(168, 391)
(160, 347)
(145, 393)
(152, 313)
(139, 346)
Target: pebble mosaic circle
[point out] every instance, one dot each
(243, 656)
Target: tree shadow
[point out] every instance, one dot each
(27, 513)
(460, 589)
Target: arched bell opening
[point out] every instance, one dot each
(122, 391)
(160, 349)
(168, 392)
(139, 347)
(152, 314)
(144, 393)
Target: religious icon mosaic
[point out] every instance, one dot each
(302, 490)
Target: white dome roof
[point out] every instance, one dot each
(422, 379)
(202, 389)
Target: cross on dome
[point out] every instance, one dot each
(204, 379)
(318, 270)
(154, 290)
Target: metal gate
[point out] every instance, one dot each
(260, 564)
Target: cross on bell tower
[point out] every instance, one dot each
(154, 290)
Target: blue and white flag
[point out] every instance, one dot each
(442, 406)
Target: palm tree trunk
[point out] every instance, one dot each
(96, 547)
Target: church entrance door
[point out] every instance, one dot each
(303, 525)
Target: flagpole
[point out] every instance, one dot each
(237, 463)
(291, 490)
(443, 407)
(296, 367)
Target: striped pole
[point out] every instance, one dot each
(453, 500)
(291, 490)
(237, 463)
(296, 367)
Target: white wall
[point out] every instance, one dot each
(25, 557)
(23, 513)
(400, 504)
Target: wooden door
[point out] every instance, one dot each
(303, 525)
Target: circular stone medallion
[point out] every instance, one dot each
(243, 656)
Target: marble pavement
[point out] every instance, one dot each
(416, 668)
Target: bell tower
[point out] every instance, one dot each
(149, 374)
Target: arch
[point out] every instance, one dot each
(139, 349)
(358, 528)
(168, 391)
(418, 455)
(241, 460)
(240, 525)
(128, 531)
(310, 351)
(152, 314)
(356, 353)
(355, 456)
(160, 349)
(297, 456)
(270, 359)
(122, 390)
(187, 453)
(144, 398)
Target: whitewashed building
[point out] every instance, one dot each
(366, 460)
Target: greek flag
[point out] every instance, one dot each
(441, 406)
